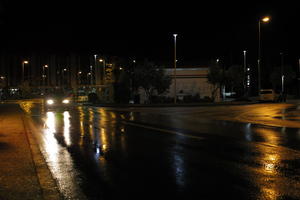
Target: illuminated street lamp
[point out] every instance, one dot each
(103, 61)
(175, 92)
(79, 77)
(23, 65)
(245, 72)
(64, 76)
(2, 80)
(264, 20)
(44, 75)
(89, 74)
(282, 73)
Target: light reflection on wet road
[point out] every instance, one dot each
(98, 153)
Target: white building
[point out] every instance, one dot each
(191, 81)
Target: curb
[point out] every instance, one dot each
(47, 183)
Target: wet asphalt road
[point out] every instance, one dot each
(217, 152)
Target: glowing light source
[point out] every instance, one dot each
(66, 101)
(50, 102)
(265, 19)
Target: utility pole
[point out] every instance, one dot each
(175, 60)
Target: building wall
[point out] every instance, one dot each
(191, 81)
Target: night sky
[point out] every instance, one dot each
(206, 31)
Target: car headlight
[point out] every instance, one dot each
(66, 101)
(50, 102)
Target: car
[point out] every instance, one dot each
(268, 95)
(58, 100)
(81, 97)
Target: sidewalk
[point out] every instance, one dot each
(23, 171)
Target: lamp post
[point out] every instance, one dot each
(79, 77)
(132, 81)
(245, 72)
(44, 75)
(282, 73)
(95, 69)
(264, 20)
(23, 66)
(299, 77)
(103, 77)
(175, 87)
(48, 75)
(91, 74)
(64, 78)
(2, 79)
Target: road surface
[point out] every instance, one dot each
(214, 152)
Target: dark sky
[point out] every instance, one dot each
(206, 30)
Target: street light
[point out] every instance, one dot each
(79, 77)
(245, 71)
(23, 65)
(103, 61)
(64, 78)
(44, 75)
(89, 74)
(175, 92)
(264, 20)
(282, 73)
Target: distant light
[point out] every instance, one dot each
(46, 66)
(2, 77)
(79, 72)
(175, 35)
(65, 69)
(218, 60)
(89, 74)
(25, 62)
(248, 69)
(266, 19)
(100, 60)
(121, 68)
(66, 101)
(134, 61)
(245, 51)
(50, 102)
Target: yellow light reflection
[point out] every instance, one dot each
(50, 142)
(81, 125)
(67, 128)
(27, 106)
(103, 140)
(270, 161)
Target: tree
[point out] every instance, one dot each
(235, 77)
(151, 78)
(122, 88)
(216, 76)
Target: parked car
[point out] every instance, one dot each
(269, 95)
(81, 97)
